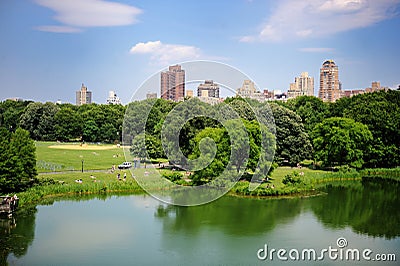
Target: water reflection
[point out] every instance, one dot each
(367, 208)
(16, 234)
(139, 230)
(233, 215)
(370, 208)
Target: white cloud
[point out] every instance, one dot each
(316, 50)
(58, 29)
(77, 14)
(342, 5)
(165, 54)
(293, 19)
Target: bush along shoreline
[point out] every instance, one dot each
(293, 185)
(38, 193)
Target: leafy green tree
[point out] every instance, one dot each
(312, 110)
(241, 144)
(108, 133)
(380, 111)
(24, 148)
(211, 154)
(17, 160)
(9, 165)
(242, 108)
(90, 131)
(187, 119)
(38, 119)
(154, 147)
(135, 119)
(10, 113)
(145, 145)
(262, 148)
(68, 124)
(340, 141)
(292, 141)
(138, 147)
(106, 118)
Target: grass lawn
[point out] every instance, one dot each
(58, 157)
(309, 175)
(62, 158)
(99, 177)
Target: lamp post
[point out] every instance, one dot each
(82, 166)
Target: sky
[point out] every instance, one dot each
(48, 48)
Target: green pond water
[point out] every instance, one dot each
(140, 230)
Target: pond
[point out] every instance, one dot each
(139, 230)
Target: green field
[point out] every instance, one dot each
(66, 158)
(59, 166)
(95, 157)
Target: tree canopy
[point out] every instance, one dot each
(292, 141)
(17, 160)
(339, 141)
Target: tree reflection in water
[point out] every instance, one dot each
(370, 208)
(16, 234)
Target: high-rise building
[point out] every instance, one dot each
(248, 90)
(189, 93)
(303, 85)
(113, 98)
(329, 85)
(151, 95)
(173, 83)
(376, 86)
(83, 96)
(211, 88)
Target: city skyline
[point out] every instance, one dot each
(101, 43)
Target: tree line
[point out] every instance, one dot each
(23, 122)
(64, 122)
(361, 131)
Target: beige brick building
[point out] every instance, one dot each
(329, 85)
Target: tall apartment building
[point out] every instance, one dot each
(248, 90)
(302, 86)
(113, 98)
(189, 93)
(376, 86)
(173, 83)
(210, 87)
(83, 96)
(329, 86)
(151, 95)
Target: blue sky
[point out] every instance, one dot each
(48, 47)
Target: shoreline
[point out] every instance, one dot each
(36, 196)
(314, 187)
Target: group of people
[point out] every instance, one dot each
(119, 176)
(80, 181)
(11, 202)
